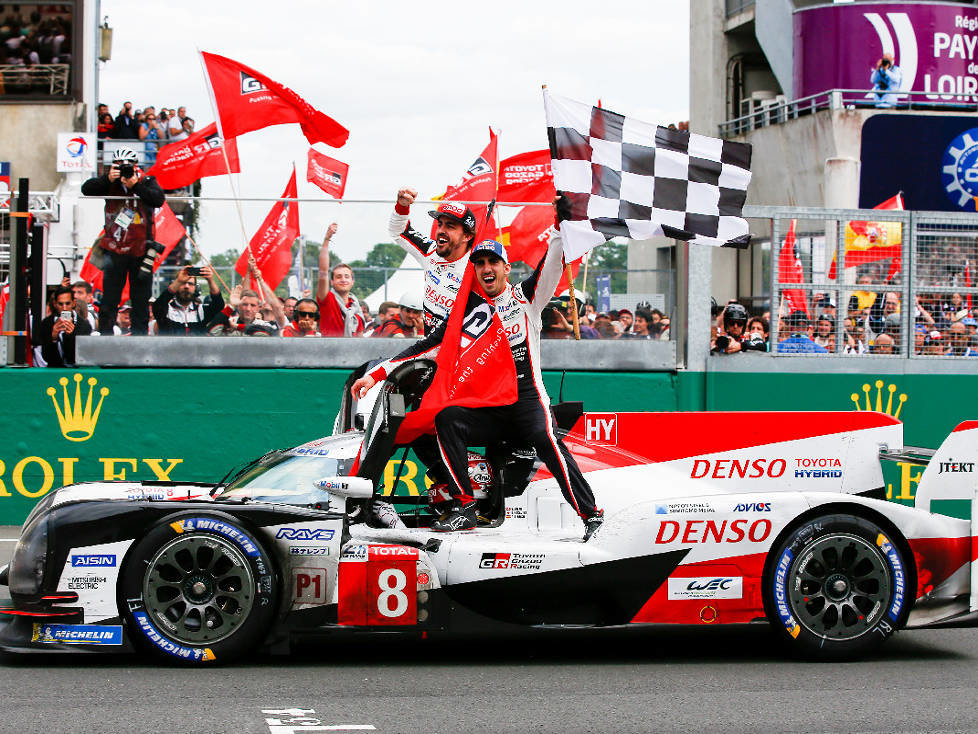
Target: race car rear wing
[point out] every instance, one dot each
(909, 454)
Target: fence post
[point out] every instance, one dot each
(775, 293)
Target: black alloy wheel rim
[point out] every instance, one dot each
(840, 587)
(199, 589)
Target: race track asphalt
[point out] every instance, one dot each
(668, 680)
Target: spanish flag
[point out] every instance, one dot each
(869, 242)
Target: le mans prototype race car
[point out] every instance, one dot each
(711, 518)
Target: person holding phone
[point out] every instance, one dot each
(58, 331)
(179, 310)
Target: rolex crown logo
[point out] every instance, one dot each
(891, 389)
(77, 422)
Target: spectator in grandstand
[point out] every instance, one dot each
(884, 344)
(385, 312)
(555, 323)
(127, 243)
(123, 324)
(862, 299)
(305, 321)
(886, 78)
(85, 302)
(186, 129)
(288, 306)
(243, 310)
(125, 123)
(640, 325)
(179, 310)
(106, 127)
(339, 309)
(57, 332)
(261, 328)
(934, 344)
(149, 132)
(824, 331)
(408, 321)
(605, 327)
(799, 340)
(626, 319)
(958, 341)
(919, 337)
(758, 325)
(174, 128)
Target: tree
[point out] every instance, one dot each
(613, 257)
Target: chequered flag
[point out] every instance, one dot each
(624, 177)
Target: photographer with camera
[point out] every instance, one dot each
(56, 335)
(127, 247)
(886, 78)
(179, 311)
(732, 325)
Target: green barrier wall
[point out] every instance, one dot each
(195, 424)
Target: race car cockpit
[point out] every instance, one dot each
(502, 470)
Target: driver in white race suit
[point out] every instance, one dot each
(528, 419)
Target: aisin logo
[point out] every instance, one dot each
(879, 399)
(77, 421)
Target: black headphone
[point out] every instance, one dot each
(295, 310)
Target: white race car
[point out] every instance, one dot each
(711, 518)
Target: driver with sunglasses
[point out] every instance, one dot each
(305, 319)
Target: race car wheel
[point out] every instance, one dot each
(836, 587)
(199, 588)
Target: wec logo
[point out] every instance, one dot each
(305, 533)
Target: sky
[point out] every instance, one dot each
(417, 85)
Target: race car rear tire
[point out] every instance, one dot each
(836, 587)
(199, 589)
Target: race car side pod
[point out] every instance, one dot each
(949, 484)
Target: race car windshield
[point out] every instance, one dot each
(284, 476)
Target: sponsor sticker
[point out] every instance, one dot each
(683, 507)
(513, 561)
(355, 552)
(309, 585)
(744, 468)
(287, 533)
(899, 578)
(93, 560)
(168, 646)
(781, 593)
(753, 507)
(601, 429)
(515, 513)
(191, 524)
(86, 583)
(78, 634)
(711, 531)
(302, 550)
(707, 587)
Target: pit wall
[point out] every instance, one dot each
(196, 424)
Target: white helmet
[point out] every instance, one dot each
(411, 300)
(124, 155)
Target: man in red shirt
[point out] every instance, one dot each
(306, 315)
(339, 309)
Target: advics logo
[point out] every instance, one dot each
(959, 174)
(249, 84)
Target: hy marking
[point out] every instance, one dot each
(296, 721)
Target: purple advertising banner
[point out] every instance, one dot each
(935, 46)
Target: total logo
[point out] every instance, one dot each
(75, 147)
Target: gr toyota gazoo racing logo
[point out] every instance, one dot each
(959, 172)
(249, 84)
(512, 561)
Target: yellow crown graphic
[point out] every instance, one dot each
(77, 423)
(879, 399)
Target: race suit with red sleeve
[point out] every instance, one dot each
(528, 420)
(441, 277)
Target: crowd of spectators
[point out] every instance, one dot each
(942, 323)
(169, 124)
(41, 36)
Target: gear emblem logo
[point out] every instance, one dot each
(959, 172)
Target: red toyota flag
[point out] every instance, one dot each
(475, 370)
(247, 100)
(478, 184)
(182, 163)
(526, 240)
(868, 242)
(167, 230)
(526, 177)
(272, 243)
(790, 271)
(327, 173)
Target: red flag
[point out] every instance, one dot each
(478, 184)
(167, 230)
(526, 177)
(327, 173)
(527, 238)
(247, 100)
(474, 371)
(967, 280)
(182, 163)
(4, 298)
(868, 242)
(272, 243)
(789, 271)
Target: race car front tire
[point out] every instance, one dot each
(199, 589)
(836, 587)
